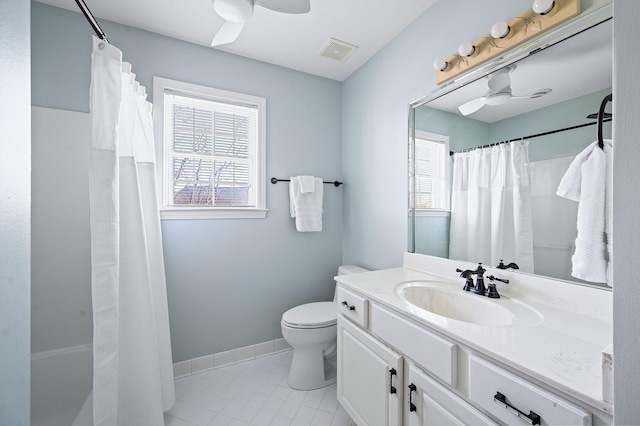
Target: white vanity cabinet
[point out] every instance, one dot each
(369, 377)
(393, 370)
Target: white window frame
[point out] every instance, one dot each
(160, 85)
(444, 140)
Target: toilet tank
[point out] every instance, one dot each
(346, 270)
(350, 269)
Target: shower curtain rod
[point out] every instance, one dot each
(92, 21)
(537, 135)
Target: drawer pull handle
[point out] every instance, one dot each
(412, 406)
(348, 306)
(531, 418)
(392, 389)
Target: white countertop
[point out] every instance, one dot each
(563, 349)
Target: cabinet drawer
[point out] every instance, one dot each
(435, 354)
(437, 405)
(515, 401)
(353, 306)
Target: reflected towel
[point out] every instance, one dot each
(306, 208)
(588, 181)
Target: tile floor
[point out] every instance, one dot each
(253, 393)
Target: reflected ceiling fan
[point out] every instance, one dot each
(499, 92)
(236, 12)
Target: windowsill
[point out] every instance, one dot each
(204, 213)
(433, 212)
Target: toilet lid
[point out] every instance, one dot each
(311, 315)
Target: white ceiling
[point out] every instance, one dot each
(292, 41)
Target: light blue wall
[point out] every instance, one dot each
(558, 116)
(229, 281)
(374, 115)
(15, 190)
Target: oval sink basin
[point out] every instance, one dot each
(459, 305)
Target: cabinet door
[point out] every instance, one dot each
(431, 404)
(369, 378)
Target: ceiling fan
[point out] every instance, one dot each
(499, 92)
(236, 12)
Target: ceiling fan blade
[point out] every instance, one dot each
(286, 6)
(472, 106)
(228, 33)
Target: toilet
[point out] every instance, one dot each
(311, 331)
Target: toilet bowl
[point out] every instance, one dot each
(311, 331)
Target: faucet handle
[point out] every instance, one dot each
(492, 278)
(468, 276)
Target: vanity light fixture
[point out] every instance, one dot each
(466, 49)
(544, 7)
(501, 30)
(440, 64)
(504, 36)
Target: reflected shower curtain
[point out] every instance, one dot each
(491, 206)
(133, 373)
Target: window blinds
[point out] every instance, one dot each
(211, 146)
(430, 179)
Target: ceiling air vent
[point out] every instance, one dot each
(338, 50)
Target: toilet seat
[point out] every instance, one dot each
(311, 315)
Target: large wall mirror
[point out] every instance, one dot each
(556, 83)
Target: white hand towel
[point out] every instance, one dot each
(586, 182)
(306, 208)
(307, 184)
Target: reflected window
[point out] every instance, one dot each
(431, 172)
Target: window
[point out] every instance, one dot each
(431, 173)
(211, 151)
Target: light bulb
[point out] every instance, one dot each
(500, 30)
(466, 49)
(440, 64)
(543, 7)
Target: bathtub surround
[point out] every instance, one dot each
(68, 368)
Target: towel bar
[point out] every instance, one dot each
(276, 180)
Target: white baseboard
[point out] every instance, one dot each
(233, 356)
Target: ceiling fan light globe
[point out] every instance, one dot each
(234, 10)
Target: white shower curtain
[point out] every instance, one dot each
(491, 206)
(133, 375)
